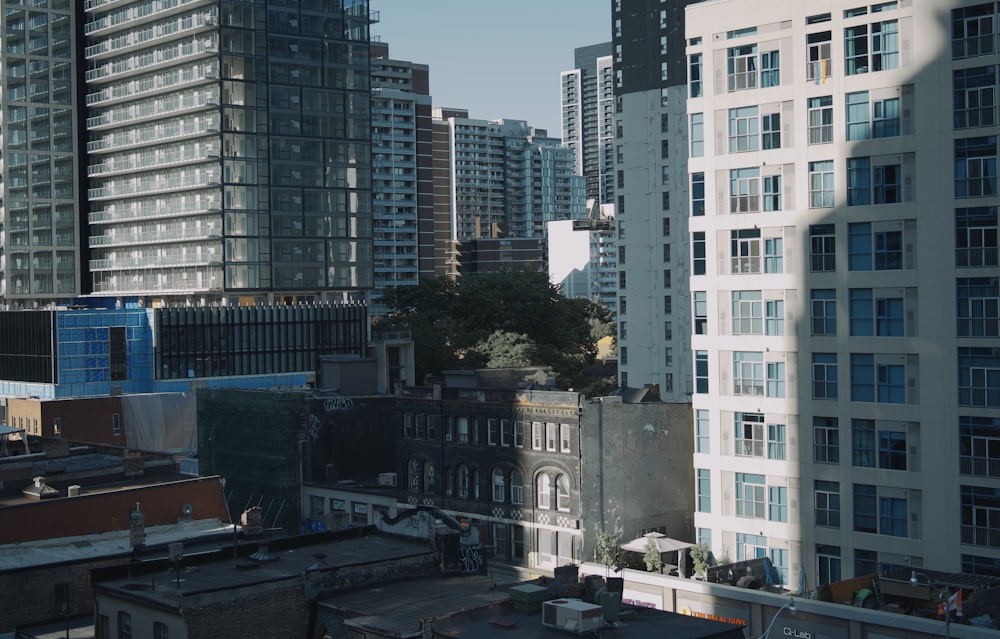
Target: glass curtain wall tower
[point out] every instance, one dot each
(229, 149)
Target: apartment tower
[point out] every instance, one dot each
(844, 282)
(651, 197)
(588, 110)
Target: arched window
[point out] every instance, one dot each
(413, 474)
(499, 485)
(449, 481)
(562, 493)
(429, 485)
(516, 487)
(543, 487)
(475, 484)
(463, 481)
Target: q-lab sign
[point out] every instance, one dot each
(812, 631)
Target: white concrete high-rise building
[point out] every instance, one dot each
(844, 282)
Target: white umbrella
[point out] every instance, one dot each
(663, 543)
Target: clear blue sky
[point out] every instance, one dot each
(496, 59)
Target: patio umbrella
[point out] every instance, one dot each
(663, 543)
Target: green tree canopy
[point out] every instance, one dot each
(498, 319)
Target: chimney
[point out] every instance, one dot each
(137, 527)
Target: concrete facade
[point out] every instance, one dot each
(846, 398)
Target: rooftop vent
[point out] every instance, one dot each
(40, 490)
(263, 554)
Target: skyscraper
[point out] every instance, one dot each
(844, 276)
(401, 163)
(588, 108)
(227, 152)
(651, 195)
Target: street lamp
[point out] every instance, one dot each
(790, 607)
(944, 595)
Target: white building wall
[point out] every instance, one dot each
(918, 515)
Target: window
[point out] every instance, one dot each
(421, 426)
(821, 120)
(865, 562)
(884, 50)
(863, 443)
(518, 427)
(775, 379)
(891, 450)
(823, 305)
(748, 373)
(665, 200)
(750, 495)
(821, 184)
(879, 378)
(885, 45)
(774, 317)
(505, 432)
(463, 481)
(463, 429)
(875, 315)
(865, 508)
(772, 192)
(770, 70)
(886, 184)
(978, 307)
(818, 67)
(745, 251)
(664, 149)
(773, 255)
(858, 124)
(979, 446)
(116, 423)
(777, 503)
(551, 435)
(976, 240)
(872, 248)
(827, 495)
(744, 134)
(750, 546)
(124, 625)
(694, 75)
(701, 371)
(824, 373)
(516, 487)
(703, 485)
(700, 304)
(697, 194)
(543, 487)
(430, 484)
(885, 118)
(822, 247)
(826, 440)
(697, 135)
(749, 434)
(880, 514)
(493, 431)
(698, 259)
(748, 317)
(859, 190)
(702, 432)
(827, 564)
(499, 486)
(776, 441)
(744, 190)
(537, 435)
(103, 629)
(976, 167)
(562, 493)
(980, 512)
(742, 67)
(564, 437)
(972, 31)
(856, 49)
(979, 377)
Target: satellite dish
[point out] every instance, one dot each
(186, 509)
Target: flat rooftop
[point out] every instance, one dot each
(216, 574)
(469, 606)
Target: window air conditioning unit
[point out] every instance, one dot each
(573, 615)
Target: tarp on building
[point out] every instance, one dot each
(161, 422)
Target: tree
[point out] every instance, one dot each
(497, 319)
(607, 549)
(700, 558)
(651, 556)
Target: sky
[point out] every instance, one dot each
(496, 59)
